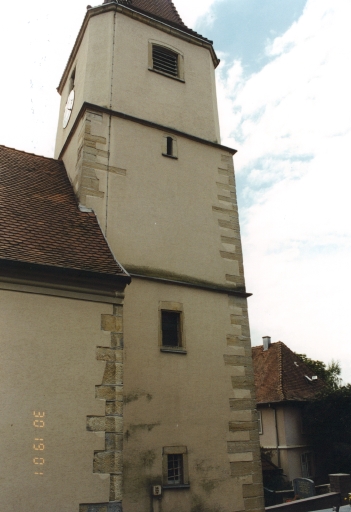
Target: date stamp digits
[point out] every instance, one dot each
(38, 445)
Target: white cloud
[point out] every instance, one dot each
(190, 12)
(291, 122)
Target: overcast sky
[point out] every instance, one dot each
(284, 98)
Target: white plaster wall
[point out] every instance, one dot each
(160, 213)
(48, 364)
(269, 437)
(178, 400)
(190, 107)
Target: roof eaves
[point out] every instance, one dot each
(143, 16)
(22, 270)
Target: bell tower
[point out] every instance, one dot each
(139, 136)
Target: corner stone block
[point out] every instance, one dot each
(242, 425)
(111, 323)
(96, 423)
(113, 373)
(116, 488)
(114, 424)
(113, 441)
(245, 468)
(252, 491)
(239, 447)
(111, 355)
(113, 408)
(107, 462)
(251, 503)
(110, 393)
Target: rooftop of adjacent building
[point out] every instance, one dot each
(41, 222)
(280, 375)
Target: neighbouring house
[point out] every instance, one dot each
(283, 384)
(127, 385)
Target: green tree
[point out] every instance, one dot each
(327, 420)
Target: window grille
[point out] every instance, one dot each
(165, 60)
(175, 469)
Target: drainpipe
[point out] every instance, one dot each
(277, 435)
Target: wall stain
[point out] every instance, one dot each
(147, 458)
(135, 395)
(141, 426)
(198, 505)
(209, 485)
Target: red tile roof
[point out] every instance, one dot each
(161, 8)
(280, 375)
(40, 219)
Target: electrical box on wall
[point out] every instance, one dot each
(156, 490)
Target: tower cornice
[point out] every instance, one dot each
(114, 113)
(177, 31)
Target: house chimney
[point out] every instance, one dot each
(266, 342)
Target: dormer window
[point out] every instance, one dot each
(166, 60)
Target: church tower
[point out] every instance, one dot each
(139, 136)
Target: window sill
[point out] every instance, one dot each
(170, 156)
(167, 75)
(178, 486)
(174, 350)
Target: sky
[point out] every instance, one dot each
(283, 90)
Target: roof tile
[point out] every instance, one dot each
(280, 375)
(40, 219)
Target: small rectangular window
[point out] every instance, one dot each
(164, 60)
(175, 471)
(169, 146)
(171, 335)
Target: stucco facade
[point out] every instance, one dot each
(283, 436)
(53, 379)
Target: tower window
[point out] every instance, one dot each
(171, 335)
(165, 60)
(169, 146)
(175, 470)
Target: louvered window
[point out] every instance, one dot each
(165, 60)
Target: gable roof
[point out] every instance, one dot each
(41, 223)
(280, 375)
